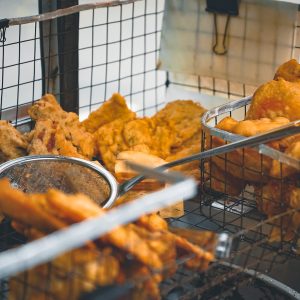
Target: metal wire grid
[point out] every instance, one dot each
(118, 50)
(255, 199)
(251, 252)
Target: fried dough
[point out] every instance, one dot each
(71, 137)
(113, 109)
(12, 143)
(289, 71)
(181, 117)
(276, 98)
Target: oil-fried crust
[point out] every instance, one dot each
(114, 108)
(13, 144)
(289, 71)
(58, 132)
(276, 98)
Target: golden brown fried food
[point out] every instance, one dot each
(12, 143)
(247, 163)
(289, 71)
(189, 147)
(182, 118)
(72, 138)
(26, 209)
(223, 182)
(48, 138)
(253, 127)
(71, 274)
(136, 135)
(78, 207)
(114, 108)
(283, 170)
(276, 98)
(148, 241)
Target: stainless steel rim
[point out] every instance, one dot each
(231, 137)
(100, 170)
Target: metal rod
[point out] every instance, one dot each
(66, 11)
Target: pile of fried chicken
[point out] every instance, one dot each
(274, 104)
(143, 252)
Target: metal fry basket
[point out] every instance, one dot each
(84, 53)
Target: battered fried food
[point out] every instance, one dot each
(71, 138)
(102, 262)
(136, 135)
(276, 98)
(113, 109)
(223, 182)
(181, 117)
(12, 143)
(289, 71)
(27, 209)
(283, 170)
(246, 163)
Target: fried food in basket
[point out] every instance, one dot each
(246, 163)
(123, 173)
(289, 71)
(281, 170)
(58, 132)
(276, 98)
(12, 143)
(113, 109)
(181, 117)
(105, 261)
(223, 182)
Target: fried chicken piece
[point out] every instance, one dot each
(189, 147)
(223, 182)
(281, 170)
(254, 127)
(26, 209)
(48, 138)
(246, 163)
(71, 275)
(289, 71)
(182, 118)
(12, 143)
(137, 135)
(276, 98)
(113, 109)
(78, 207)
(72, 137)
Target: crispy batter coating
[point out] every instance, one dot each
(277, 197)
(26, 209)
(172, 133)
(284, 170)
(276, 98)
(114, 108)
(12, 143)
(247, 163)
(223, 182)
(71, 137)
(181, 117)
(289, 71)
(137, 135)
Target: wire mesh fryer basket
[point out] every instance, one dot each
(66, 277)
(241, 182)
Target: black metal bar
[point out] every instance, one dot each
(68, 37)
(49, 50)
